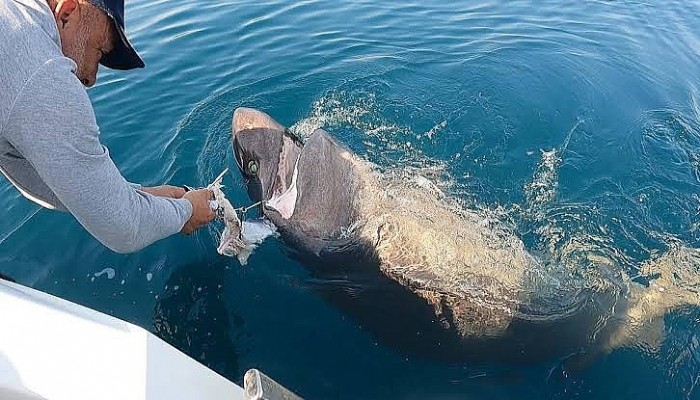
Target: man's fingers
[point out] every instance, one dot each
(202, 213)
(212, 214)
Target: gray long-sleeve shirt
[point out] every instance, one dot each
(49, 144)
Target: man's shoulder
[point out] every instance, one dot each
(30, 39)
(29, 31)
(48, 96)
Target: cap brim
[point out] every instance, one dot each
(123, 56)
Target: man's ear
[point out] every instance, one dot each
(67, 14)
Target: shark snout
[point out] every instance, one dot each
(247, 118)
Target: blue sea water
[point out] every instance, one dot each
(575, 123)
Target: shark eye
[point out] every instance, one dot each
(253, 168)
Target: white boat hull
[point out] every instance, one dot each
(57, 350)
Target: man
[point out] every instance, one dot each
(49, 145)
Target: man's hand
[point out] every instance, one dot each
(173, 192)
(202, 214)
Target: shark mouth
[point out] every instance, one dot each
(285, 202)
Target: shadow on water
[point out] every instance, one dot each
(192, 315)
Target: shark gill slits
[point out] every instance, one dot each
(237, 154)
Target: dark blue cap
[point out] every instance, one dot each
(123, 56)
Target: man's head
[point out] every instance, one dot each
(89, 33)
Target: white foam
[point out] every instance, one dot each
(109, 271)
(333, 109)
(435, 129)
(543, 188)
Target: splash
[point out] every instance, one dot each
(383, 141)
(543, 187)
(334, 109)
(566, 233)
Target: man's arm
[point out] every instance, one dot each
(172, 192)
(53, 126)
